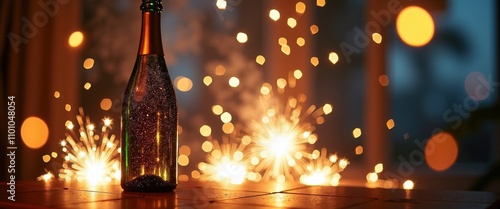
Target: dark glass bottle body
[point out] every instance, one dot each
(149, 114)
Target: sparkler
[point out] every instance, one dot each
(45, 177)
(90, 154)
(322, 169)
(283, 133)
(227, 162)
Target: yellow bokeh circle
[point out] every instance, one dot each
(75, 39)
(34, 132)
(415, 26)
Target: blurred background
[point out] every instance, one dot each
(392, 91)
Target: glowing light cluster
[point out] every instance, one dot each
(275, 146)
(282, 134)
(226, 160)
(323, 169)
(90, 154)
(374, 180)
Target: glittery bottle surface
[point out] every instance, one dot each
(149, 128)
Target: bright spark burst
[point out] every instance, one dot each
(45, 177)
(90, 154)
(283, 132)
(226, 162)
(322, 169)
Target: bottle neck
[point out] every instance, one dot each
(151, 34)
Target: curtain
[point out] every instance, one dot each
(36, 61)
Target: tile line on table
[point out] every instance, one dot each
(358, 204)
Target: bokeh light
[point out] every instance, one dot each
(217, 109)
(478, 86)
(234, 82)
(106, 104)
(320, 3)
(291, 22)
(87, 86)
(358, 150)
(383, 80)
(327, 109)
(207, 146)
(75, 39)
(441, 151)
(274, 14)
(301, 41)
(285, 49)
(415, 26)
(34, 132)
(408, 185)
(183, 160)
(379, 168)
(372, 177)
(46, 158)
(221, 4)
(356, 133)
(228, 128)
(226, 117)
(314, 61)
(282, 41)
(207, 80)
(333, 57)
(220, 70)
(265, 89)
(377, 38)
(242, 37)
(260, 59)
(88, 63)
(184, 150)
(390, 124)
(184, 84)
(300, 7)
(67, 107)
(205, 130)
(314, 29)
(297, 74)
(195, 174)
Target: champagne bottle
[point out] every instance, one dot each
(149, 114)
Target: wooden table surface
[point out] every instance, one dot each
(60, 194)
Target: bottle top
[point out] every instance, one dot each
(151, 6)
